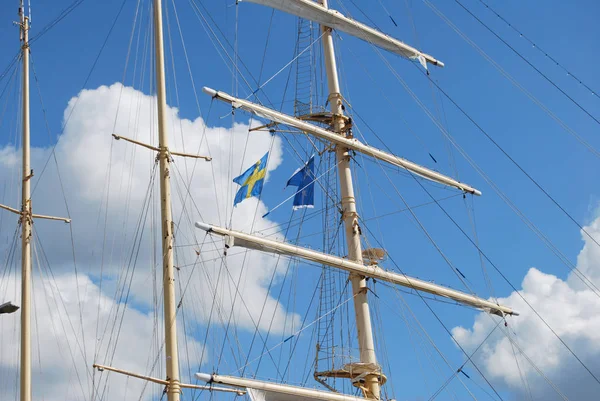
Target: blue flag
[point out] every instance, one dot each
(251, 180)
(304, 179)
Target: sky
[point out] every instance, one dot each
(92, 86)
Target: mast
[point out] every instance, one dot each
(26, 219)
(170, 310)
(359, 284)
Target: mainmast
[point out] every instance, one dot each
(359, 284)
(170, 310)
(26, 219)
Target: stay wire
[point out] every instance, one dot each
(534, 228)
(512, 80)
(546, 54)
(528, 62)
(66, 11)
(469, 359)
(514, 162)
(511, 285)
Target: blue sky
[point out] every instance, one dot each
(567, 30)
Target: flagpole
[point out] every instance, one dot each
(350, 217)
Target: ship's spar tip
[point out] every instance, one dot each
(209, 91)
(203, 226)
(205, 377)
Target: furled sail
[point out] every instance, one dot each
(334, 19)
(234, 238)
(266, 391)
(350, 143)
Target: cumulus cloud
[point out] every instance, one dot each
(571, 309)
(64, 342)
(116, 224)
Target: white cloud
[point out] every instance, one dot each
(64, 341)
(84, 152)
(571, 309)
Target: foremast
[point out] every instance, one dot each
(362, 312)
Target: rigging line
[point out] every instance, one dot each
(187, 60)
(55, 293)
(210, 31)
(286, 65)
(513, 161)
(450, 334)
(294, 266)
(68, 118)
(513, 287)
(314, 214)
(66, 11)
(12, 75)
(522, 35)
(454, 269)
(430, 298)
(224, 264)
(176, 87)
(520, 295)
(530, 224)
(528, 62)
(132, 264)
(523, 378)
(293, 348)
(10, 64)
(62, 188)
(472, 220)
(106, 187)
(550, 382)
(300, 189)
(237, 284)
(64, 309)
(296, 333)
(430, 340)
(469, 359)
(590, 284)
(265, 301)
(534, 99)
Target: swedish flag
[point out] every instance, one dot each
(251, 180)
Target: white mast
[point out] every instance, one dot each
(359, 284)
(26, 220)
(170, 310)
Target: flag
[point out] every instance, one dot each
(251, 180)
(304, 179)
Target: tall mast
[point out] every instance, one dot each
(350, 217)
(170, 310)
(26, 219)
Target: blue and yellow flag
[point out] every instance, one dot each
(251, 181)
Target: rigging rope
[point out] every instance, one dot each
(528, 62)
(512, 80)
(534, 45)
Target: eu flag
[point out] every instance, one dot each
(304, 179)
(251, 180)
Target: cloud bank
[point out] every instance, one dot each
(114, 204)
(571, 309)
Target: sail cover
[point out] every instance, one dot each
(261, 395)
(259, 390)
(310, 10)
